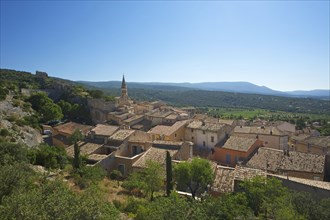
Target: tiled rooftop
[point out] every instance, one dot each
(134, 117)
(224, 179)
(167, 130)
(239, 143)
(258, 130)
(276, 160)
(105, 130)
(243, 173)
(86, 148)
(70, 127)
(97, 157)
(322, 141)
(206, 126)
(154, 154)
(121, 135)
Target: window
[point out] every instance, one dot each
(192, 138)
(317, 178)
(204, 143)
(203, 132)
(228, 158)
(236, 159)
(192, 130)
(175, 135)
(212, 139)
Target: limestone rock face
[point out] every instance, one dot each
(10, 116)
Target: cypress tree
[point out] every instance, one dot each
(169, 181)
(76, 160)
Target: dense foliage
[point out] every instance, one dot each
(195, 175)
(25, 194)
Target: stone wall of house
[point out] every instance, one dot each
(319, 193)
(185, 152)
(299, 174)
(99, 109)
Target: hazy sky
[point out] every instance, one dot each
(278, 44)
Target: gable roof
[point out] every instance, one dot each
(167, 130)
(239, 143)
(275, 160)
(105, 130)
(86, 148)
(121, 135)
(206, 126)
(154, 154)
(70, 127)
(322, 141)
(258, 130)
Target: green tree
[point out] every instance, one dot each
(75, 138)
(12, 153)
(300, 124)
(169, 177)
(48, 156)
(153, 177)
(196, 175)
(45, 106)
(97, 94)
(116, 175)
(51, 111)
(269, 199)
(150, 179)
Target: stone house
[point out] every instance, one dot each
(176, 132)
(101, 133)
(271, 136)
(236, 150)
(309, 144)
(207, 135)
(289, 163)
(61, 133)
(99, 109)
(178, 150)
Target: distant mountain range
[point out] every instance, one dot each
(236, 87)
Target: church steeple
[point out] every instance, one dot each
(123, 83)
(124, 99)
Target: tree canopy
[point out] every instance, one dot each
(195, 175)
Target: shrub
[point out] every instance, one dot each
(4, 132)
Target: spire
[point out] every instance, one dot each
(123, 83)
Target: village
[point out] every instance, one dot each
(128, 133)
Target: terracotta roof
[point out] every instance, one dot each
(121, 135)
(172, 116)
(154, 154)
(224, 179)
(167, 130)
(97, 157)
(323, 141)
(258, 130)
(275, 160)
(206, 126)
(161, 114)
(70, 127)
(243, 173)
(239, 143)
(86, 148)
(105, 130)
(134, 117)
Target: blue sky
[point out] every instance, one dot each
(278, 44)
